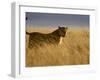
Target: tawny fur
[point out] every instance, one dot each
(37, 39)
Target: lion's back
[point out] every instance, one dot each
(39, 39)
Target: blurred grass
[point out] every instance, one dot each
(74, 49)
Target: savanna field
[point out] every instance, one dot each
(74, 49)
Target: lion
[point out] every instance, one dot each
(37, 39)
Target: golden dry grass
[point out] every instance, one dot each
(74, 49)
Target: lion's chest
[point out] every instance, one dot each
(60, 40)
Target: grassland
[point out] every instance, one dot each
(74, 49)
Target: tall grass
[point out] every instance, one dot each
(74, 49)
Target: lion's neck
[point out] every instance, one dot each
(56, 33)
(57, 36)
